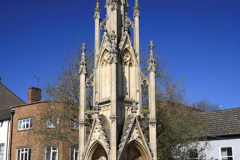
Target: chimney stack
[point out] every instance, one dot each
(34, 94)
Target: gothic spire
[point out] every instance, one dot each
(151, 61)
(83, 64)
(97, 10)
(136, 9)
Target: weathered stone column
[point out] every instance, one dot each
(136, 17)
(113, 117)
(113, 61)
(152, 103)
(97, 17)
(82, 102)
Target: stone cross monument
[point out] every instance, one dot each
(116, 132)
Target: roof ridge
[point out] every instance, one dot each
(206, 112)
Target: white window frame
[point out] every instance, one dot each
(23, 152)
(220, 152)
(74, 125)
(50, 124)
(24, 122)
(73, 152)
(2, 150)
(51, 152)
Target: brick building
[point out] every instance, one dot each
(38, 132)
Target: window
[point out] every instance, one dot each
(193, 154)
(1, 123)
(74, 124)
(25, 124)
(51, 153)
(226, 153)
(1, 151)
(74, 153)
(24, 154)
(52, 124)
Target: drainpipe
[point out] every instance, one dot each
(12, 113)
(7, 141)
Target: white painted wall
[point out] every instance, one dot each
(4, 136)
(212, 151)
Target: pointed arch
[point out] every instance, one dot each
(104, 75)
(97, 151)
(135, 150)
(126, 72)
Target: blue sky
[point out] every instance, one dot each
(201, 38)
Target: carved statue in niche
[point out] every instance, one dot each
(126, 58)
(105, 59)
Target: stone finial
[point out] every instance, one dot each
(0, 80)
(151, 46)
(113, 52)
(97, 11)
(83, 64)
(83, 48)
(136, 10)
(151, 61)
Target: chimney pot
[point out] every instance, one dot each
(34, 94)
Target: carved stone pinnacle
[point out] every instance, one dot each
(83, 64)
(151, 46)
(97, 10)
(151, 61)
(136, 9)
(83, 48)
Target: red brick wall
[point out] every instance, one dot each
(30, 138)
(34, 94)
